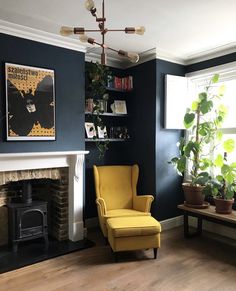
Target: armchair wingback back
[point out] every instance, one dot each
(116, 185)
(116, 194)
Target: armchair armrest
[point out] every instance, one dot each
(101, 206)
(142, 202)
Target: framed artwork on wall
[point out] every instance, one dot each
(90, 129)
(102, 133)
(30, 103)
(120, 107)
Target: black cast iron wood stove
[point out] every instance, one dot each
(27, 219)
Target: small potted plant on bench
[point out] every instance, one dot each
(222, 188)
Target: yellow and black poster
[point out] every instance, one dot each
(30, 103)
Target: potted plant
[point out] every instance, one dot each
(95, 89)
(222, 187)
(203, 119)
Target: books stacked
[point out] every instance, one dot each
(125, 83)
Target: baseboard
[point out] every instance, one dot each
(91, 222)
(178, 221)
(165, 224)
(214, 228)
(171, 222)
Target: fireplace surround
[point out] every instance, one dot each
(74, 160)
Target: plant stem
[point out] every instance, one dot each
(196, 154)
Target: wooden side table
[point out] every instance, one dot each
(208, 214)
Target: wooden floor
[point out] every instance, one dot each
(199, 264)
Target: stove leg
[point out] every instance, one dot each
(46, 242)
(15, 246)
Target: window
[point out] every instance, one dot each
(227, 78)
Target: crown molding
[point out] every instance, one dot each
(199, 57)
(211, 54)
(39, 36)
(90, 55)
(167, 56)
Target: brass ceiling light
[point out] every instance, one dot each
(89, 4)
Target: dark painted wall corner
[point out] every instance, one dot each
(168, 183)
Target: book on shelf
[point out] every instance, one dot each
(125, 83)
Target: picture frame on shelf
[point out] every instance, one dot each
(120, 107)
(30, 103)
(90, 129)
(102, 133)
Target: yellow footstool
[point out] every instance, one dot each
(133, 233)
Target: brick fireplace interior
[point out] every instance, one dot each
(50, 185)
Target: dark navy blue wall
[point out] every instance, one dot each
(168, 183)
(143, 112)
(153, 145)
(211, 63)
(69, 88)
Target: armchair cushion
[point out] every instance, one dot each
(133, 226)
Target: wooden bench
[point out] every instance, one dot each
(208, 214)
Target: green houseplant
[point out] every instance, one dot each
(95, 89)
(203, 119)
(222, 187)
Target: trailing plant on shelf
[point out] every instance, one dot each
(203, 119)
(95, 88)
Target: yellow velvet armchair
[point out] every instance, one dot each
(116, 194)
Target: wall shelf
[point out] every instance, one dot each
(118, 90)
(107, 139)
(108, 114)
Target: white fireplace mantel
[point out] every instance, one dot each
(43, 160)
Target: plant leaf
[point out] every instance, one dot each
(181, 164)
(219, 135)
(189, 120)
(202, 96)
(195, 105)
(219, 161)
(215, 78)
(219, 178)
(206, 106)
(229, 145)
(221, 90)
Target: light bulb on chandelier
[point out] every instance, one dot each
(90, 6)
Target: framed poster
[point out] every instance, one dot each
(30, 103)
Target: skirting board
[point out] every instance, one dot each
(178, 221)
(214, 228)
(165, 224)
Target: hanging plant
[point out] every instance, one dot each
(96, 76)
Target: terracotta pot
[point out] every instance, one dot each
(193, 195)
(223, 206)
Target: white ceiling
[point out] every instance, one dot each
(184, 29)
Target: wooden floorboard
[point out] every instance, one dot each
(204, 263)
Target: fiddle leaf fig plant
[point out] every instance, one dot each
(202, 120)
